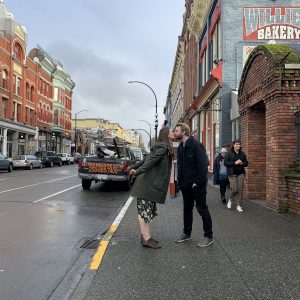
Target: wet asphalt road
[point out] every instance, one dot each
(41, 229)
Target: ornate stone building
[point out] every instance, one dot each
(27, 95)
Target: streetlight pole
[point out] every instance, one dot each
(144, 131)
(75, 136)
(156, 115)
(150, 129)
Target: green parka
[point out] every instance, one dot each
(153, 175)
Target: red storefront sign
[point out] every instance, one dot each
(271, 23)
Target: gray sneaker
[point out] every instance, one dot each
(183, 238)
(205, 242)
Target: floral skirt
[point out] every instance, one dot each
(146, 209)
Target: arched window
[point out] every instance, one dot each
(4, 79)
(27, 91)
(56, 117)
(18, 52)
(31, 93)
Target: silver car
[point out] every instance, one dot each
(26, 161)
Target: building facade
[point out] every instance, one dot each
(27, 95)
(225, 33)
(94, 129)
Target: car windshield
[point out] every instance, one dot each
(19, 157)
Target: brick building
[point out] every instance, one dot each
(218, 38)
(26, 95)
(269, 98)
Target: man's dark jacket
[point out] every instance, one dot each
(192, 163)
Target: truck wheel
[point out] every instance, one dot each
(86, 184)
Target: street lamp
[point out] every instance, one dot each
(156, 115)
(75, 136)
(149, 127)
(144, 131)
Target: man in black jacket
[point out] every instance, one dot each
(192, 178)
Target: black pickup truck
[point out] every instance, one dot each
(109, 165)
(49, 158)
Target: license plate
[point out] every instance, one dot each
(102, 177)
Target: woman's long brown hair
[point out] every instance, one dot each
(163, 136)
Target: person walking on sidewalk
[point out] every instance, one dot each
(220, 174)
(192, 164)
(236, 162)
(152, 182)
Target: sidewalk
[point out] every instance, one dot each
(256, 255)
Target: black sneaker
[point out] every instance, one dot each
(183, 238)
(223, 200)
(205, 242)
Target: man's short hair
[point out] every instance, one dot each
(185, 128)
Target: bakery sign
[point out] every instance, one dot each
(271, 23)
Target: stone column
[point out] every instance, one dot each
(4, 149)
(15, 138)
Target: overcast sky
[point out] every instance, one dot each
(105, 43)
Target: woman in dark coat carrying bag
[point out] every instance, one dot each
(152, 183)
(220, 174)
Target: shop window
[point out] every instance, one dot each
(18, 52)
(4, 79)
(4, 108)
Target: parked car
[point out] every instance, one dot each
(76, 156)
(66, 158)
(26, 161)
(5, 164)
(48, 158)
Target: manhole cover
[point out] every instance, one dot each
(90, 244)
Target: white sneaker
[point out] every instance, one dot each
(229, 204)
(239, 209)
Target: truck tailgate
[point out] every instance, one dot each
(103, 166)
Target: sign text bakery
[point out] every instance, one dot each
(271, 23)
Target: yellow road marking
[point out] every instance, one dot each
(98, 256)
(113, 229)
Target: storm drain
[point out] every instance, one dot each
(90, 244)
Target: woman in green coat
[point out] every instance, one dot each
(152, 183)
